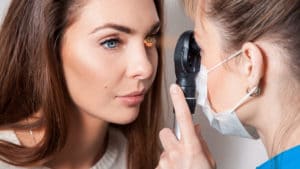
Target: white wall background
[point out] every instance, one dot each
(229, 152)
(3, 8)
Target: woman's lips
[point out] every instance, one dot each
(132, 99)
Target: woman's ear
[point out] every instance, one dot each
(253, 63)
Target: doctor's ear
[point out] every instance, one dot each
(253, 67)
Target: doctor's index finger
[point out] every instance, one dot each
(182, 114)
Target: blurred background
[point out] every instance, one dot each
(229, 152)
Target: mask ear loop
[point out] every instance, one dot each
(249, 94)
(225, 60)
(256, 93)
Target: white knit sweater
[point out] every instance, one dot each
(114, 157)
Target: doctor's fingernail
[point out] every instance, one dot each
(174, 89)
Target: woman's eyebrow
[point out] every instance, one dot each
(117, 27)
(153, 29)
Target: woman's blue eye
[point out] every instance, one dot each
(111, 43)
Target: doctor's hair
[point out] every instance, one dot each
(32, 80)
(251, 20)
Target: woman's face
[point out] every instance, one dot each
(110, 58)
(224, 83)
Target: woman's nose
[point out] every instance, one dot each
(142, 63)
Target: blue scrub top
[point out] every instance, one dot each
(289, 159)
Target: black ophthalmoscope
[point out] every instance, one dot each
(187, 65)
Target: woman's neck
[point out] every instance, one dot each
(86, 143)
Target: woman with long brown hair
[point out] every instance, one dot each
(249, 81)
(80, 84)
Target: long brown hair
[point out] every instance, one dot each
(31, 79)
(243, 21)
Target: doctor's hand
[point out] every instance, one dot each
(191, 151)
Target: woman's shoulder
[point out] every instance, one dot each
(115, 156)
(9, 136)
(4, 165)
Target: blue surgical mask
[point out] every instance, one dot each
(227, 122)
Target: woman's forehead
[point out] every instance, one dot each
(136, 14)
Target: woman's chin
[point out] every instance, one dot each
(127, 117)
